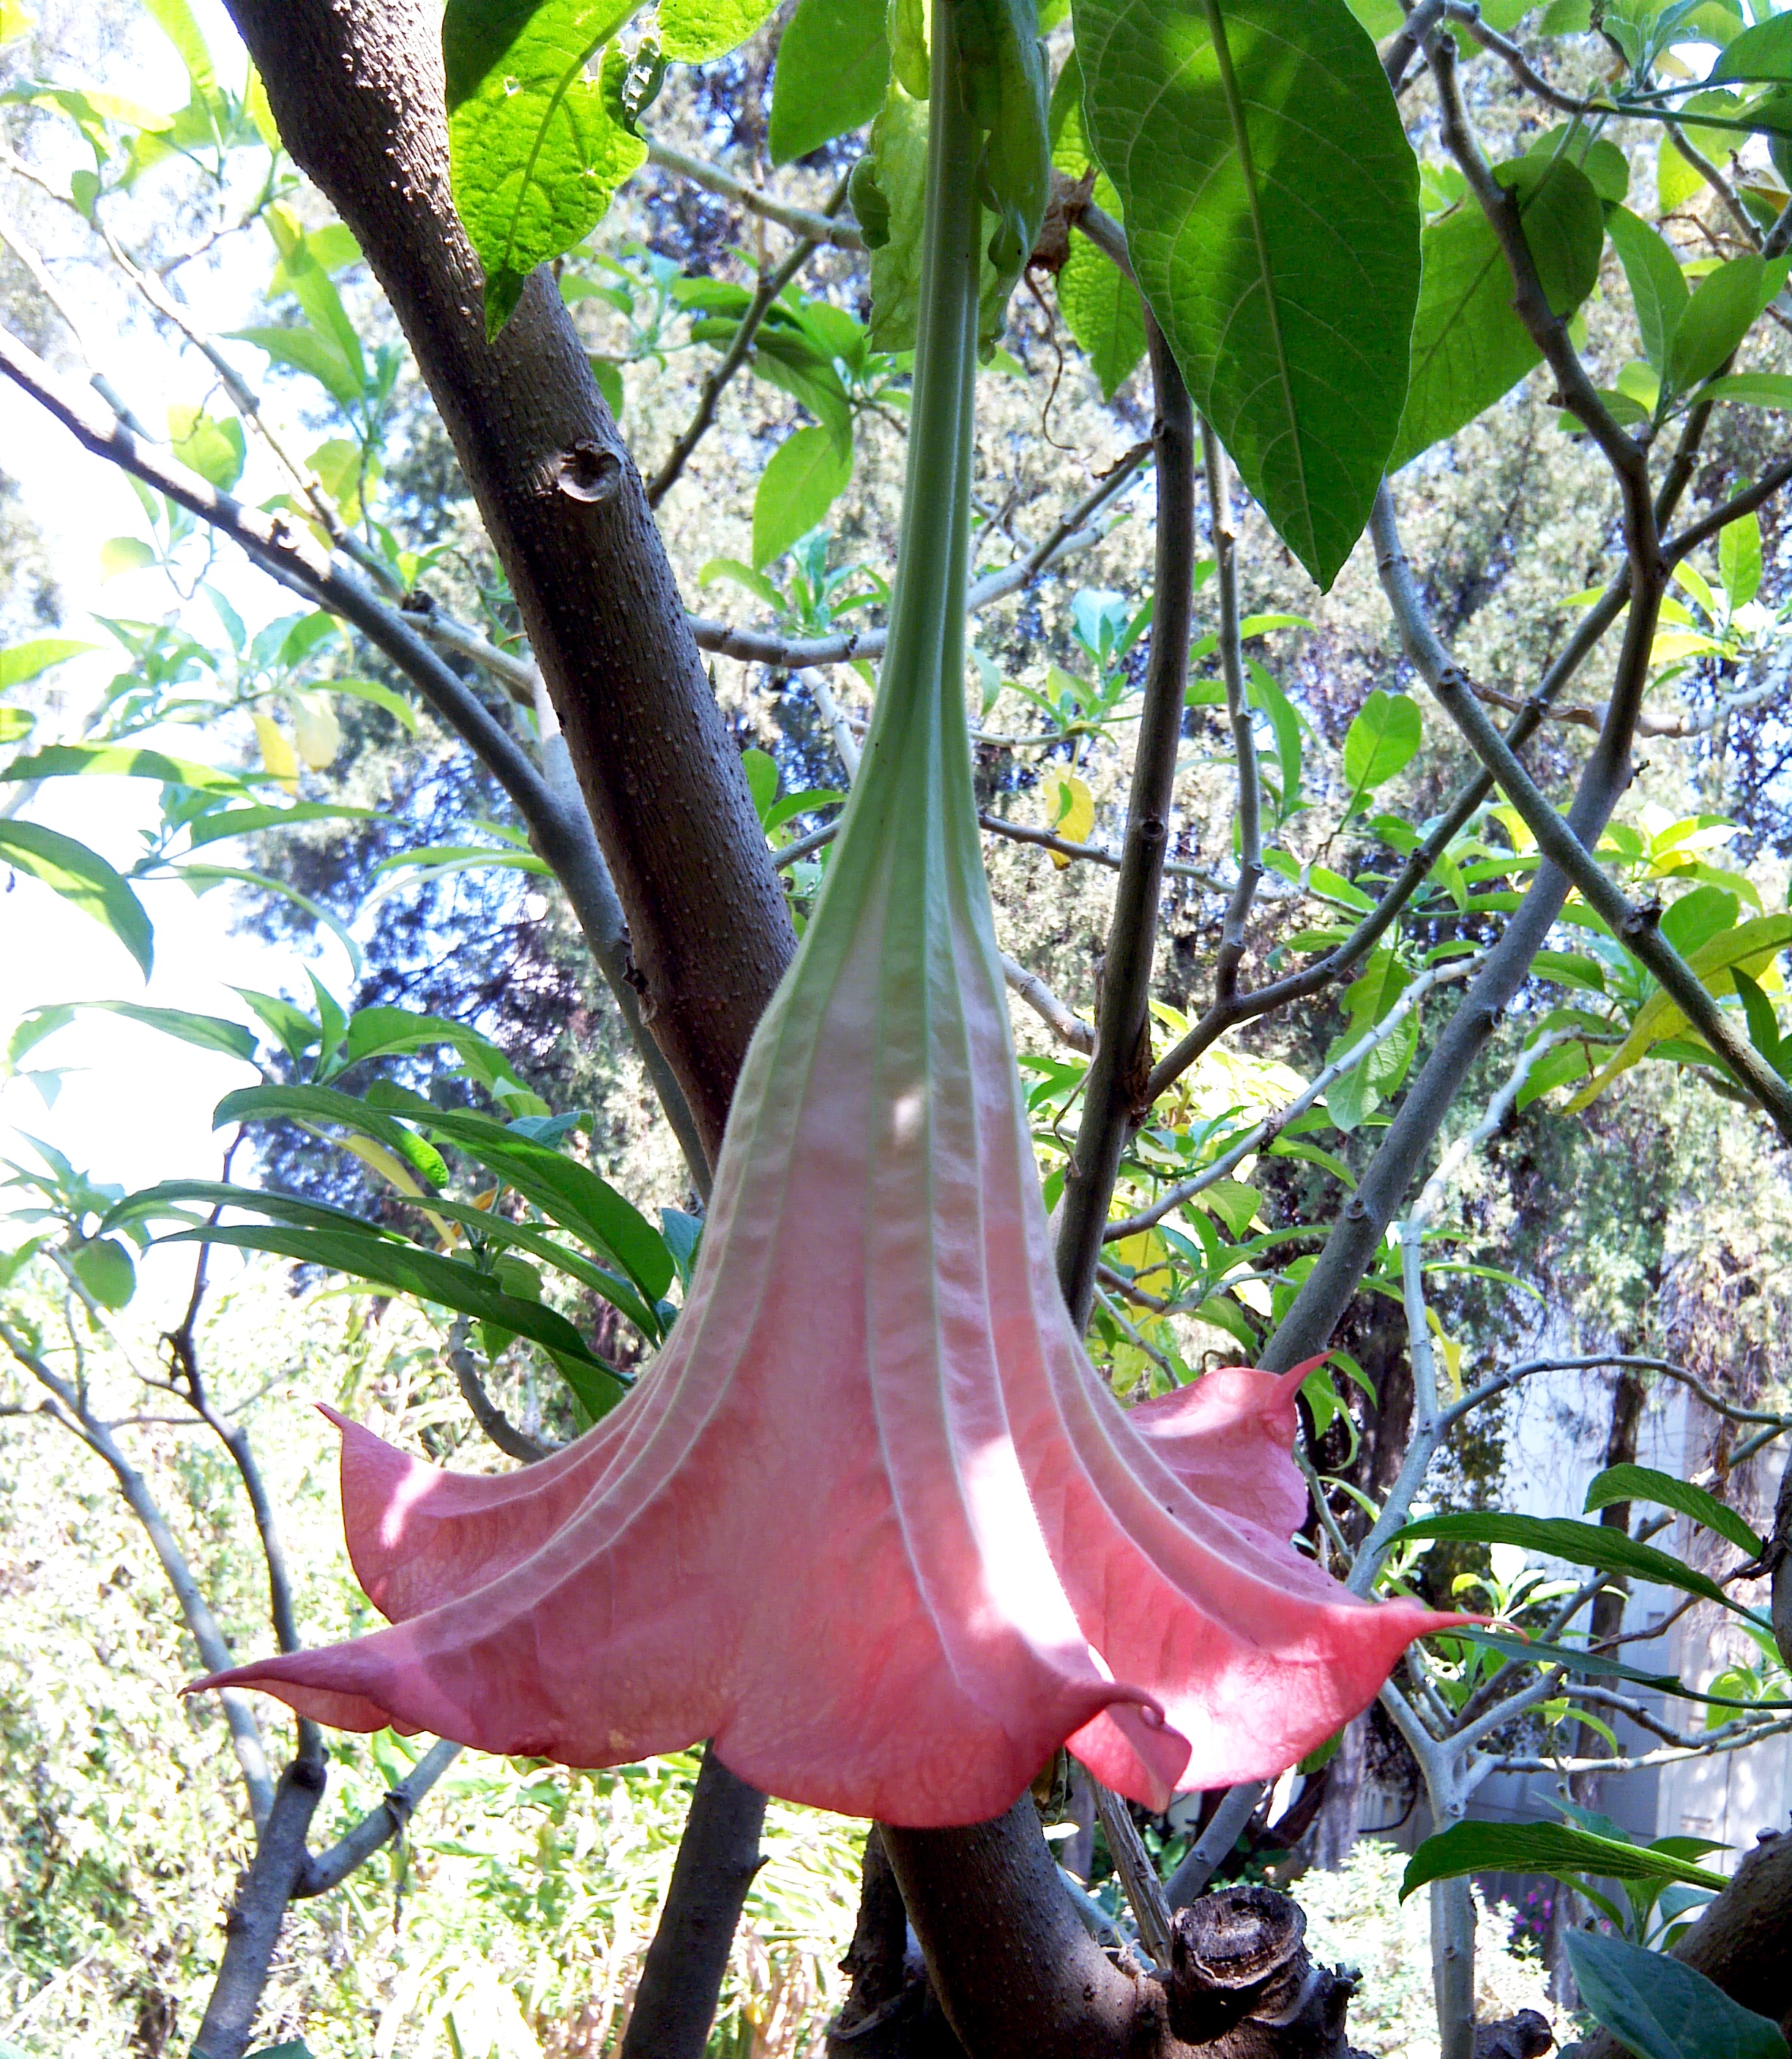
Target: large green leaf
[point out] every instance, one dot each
(1645, 1484)
(305, 350)
(1558, 1848)
(833, 72)
(1272, 208)
(808, 472)
(694, 31)
(572, 1195)
(535, 151)
(1600, 1545)
(209, 1033)
(176, 1197)
(83, 876)
(1469, 346)
(64, 761)
(1655, 2006)
(1763, 53)
(25, 661)
(1658, 285)
(1382, 741)
(1721, 312)
(1534, 1651)
(405, 1270)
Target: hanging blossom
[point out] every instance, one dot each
(870, 1521)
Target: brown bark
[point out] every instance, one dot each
(1018, 1976)
(1242, 1984)
(892, 2012)
(357, 91)
(1743, 1941)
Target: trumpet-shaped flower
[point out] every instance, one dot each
(869, 1520)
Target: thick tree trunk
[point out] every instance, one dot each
(358, 92)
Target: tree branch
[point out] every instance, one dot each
(1636, 928)
(800, 220)
(1114, 1091)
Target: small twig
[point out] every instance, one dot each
(1144, 1892)
(1224, 529)
(1212, 1848)
(800, 220)
(1637, 928)
(1078, 531)
(513, 1443)
(771, 285)
(379, 1826)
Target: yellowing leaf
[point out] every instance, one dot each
(390, 1166)
(277, 754)
(316, 730)
(1072, 808)
(1144, 1255)
(1449, 1355)
(1750, 946)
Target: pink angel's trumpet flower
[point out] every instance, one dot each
(870, 1521)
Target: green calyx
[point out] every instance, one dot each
(1000, 85)
(1004, 82)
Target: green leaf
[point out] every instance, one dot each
(1557, 1849)
(1221, 124)
(175, 1197)
(569, 1193)
(407, 1269)
(807, 473)
(83, 877)
(1739, 561)
(1469, 347)
(325, 1104)
(535, 151)
(1653, 2005)
(105, 1269)
(215, 450)
(1748, 389)
(694, 31)
(1752, 945)
(25, 661)
(1599, 1545)
(1629, 1483)
(119, 554)
(1599, 158)
(1762, 54)
(305, 350)
(1658, 285)
(176, 21)
(1382, 741)
(1723, 310)
(833, 72)
(222, 822)
(1103, 312)
(209, 1032)
(126, 761)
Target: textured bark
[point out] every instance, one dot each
(718, 1857)
(1335, 1838)
(1743, 1941)
(1018, 1975)
(1242, 1984)
(357, 91)
(891, 2012)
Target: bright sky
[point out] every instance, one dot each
(134, 1106)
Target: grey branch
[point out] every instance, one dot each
(1636, 928)
(800, 220)
(558, 824)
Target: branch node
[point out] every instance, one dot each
(587, 472)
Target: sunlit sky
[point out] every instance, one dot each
(133, 1106)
